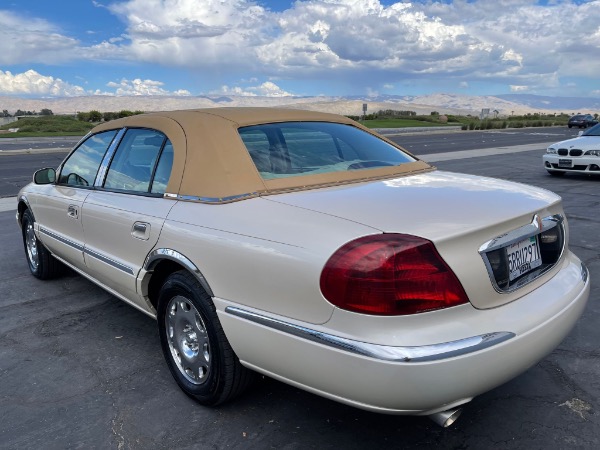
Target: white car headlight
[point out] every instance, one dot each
(593, 153)
(551, 150)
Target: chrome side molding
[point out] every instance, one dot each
(210, 200)
(62, 239)
(408, 354)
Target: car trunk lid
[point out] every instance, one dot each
(458, 213)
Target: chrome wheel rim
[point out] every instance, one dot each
(31, 246)
(188, 340)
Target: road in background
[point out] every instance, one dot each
(439, 142)
(17, 170)
(58, 142)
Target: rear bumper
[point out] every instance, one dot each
(432, 382)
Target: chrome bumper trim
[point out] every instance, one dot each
(410, 354)
(585, 273)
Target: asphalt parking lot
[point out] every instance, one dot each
(81, 369)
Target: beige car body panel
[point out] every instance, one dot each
(57, 211)
(265, 255)
(120, 230)
(261, 253)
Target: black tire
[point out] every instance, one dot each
(569, 126)
(41, 263)
(197, 352)
(556, 173)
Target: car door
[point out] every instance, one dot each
(58, 208)
(123, 218)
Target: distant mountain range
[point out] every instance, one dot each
(565, 104)
(506, 104)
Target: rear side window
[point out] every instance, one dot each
(291, 149)
(82, 166)
(163, 170)
(135, 161)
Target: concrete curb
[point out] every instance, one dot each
(8, 204)
(411, 130)
(34, 150)
(464, 154)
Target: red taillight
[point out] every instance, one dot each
(390, 275)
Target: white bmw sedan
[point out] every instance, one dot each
(581, 154)
(305, 247)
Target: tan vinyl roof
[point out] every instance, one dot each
(211, 163)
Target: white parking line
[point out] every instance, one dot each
(448, 156)
(10, 203)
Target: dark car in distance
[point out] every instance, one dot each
(582, 121)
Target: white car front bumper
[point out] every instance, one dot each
(583, 164)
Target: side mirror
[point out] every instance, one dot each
(44, 176)
(580, 133)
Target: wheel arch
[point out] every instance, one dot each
(21, 207)
(161, 263)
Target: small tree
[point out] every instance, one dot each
(5, 113)
(83, 116)
(46, 112)
(109, 116)
(125, 113)
(95, 116)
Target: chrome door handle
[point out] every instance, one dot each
(141, 227)
(141, 230)
(72, 211)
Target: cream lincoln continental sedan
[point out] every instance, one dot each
(305, 247)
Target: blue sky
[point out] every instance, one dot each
(304, 47)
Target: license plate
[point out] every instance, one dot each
(565, 163)
(523, 256)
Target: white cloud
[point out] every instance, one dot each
(32, 40)
(266, 89)
(357, 42)
(143, 87)
(514, 88)
(33, 83)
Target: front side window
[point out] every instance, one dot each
(82, 166)
(135, 160)
(289, 149)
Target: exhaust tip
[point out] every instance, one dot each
(446, 418)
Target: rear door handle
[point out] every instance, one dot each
(72, 211)
(141, 230)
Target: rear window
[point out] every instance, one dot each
(290, 149)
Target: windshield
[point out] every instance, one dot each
(594, 131)
(290, 149)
